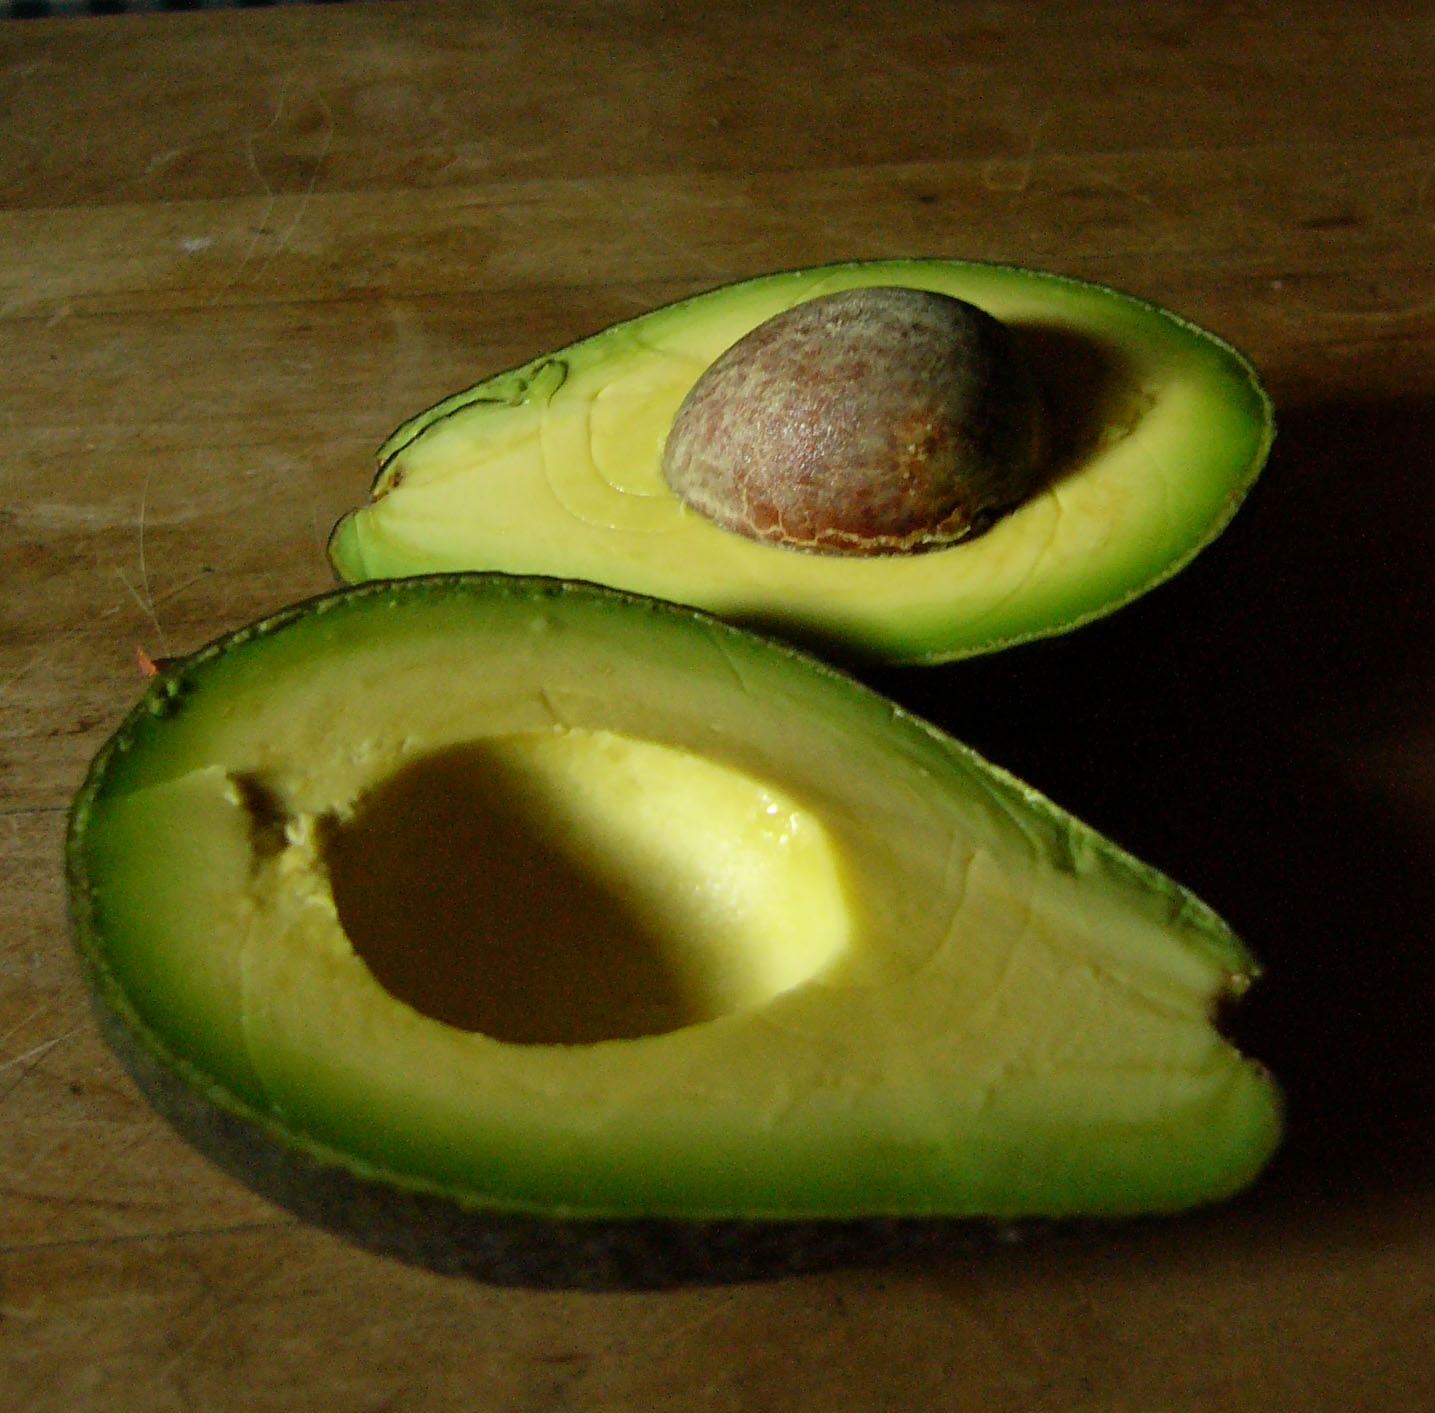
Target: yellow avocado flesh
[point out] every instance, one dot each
(555, 468)
(866, 972)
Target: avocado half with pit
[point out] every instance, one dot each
(554, 935)
(1155, 430)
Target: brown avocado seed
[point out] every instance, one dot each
(873, 421)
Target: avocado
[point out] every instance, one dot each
(555, 935)
(1154, 430)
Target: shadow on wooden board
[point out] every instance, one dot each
(1263, 728)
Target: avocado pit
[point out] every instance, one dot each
(880, 420)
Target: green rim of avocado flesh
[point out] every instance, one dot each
(761, 964)
(1157, 430)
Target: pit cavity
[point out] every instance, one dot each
(581, 886)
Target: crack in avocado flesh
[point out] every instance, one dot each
(922, 990)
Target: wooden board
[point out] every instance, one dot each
(237, 248)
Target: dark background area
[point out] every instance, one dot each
(1245, 728)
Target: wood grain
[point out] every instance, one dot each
(236, 248)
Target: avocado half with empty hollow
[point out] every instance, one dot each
(1152, 432)
(550, 934)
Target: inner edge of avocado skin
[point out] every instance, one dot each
(170, 691)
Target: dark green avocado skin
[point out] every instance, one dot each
(435, 1232)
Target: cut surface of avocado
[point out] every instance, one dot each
(542, 901)
(1158, 429)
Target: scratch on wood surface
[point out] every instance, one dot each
(1005, 174)
(35, 1053)
(317, 531)
(304, 197)
(20, 1025)
(160, 160)
(28, 666)
(81, 1199)
(151, 603)
(146, 608)
(271, 196)
(631, 297)
(144, 595)
(210, 1311)
(27, 1062)
(107, 1240)
(1371, 316)
(1121, 188)
(252, 161)
(709, 267)
(144, 562)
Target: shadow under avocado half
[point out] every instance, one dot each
(1236, 729)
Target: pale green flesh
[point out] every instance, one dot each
(555, 468)
(946, 997)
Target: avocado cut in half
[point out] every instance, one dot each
(1155, 431)
(553, 935)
